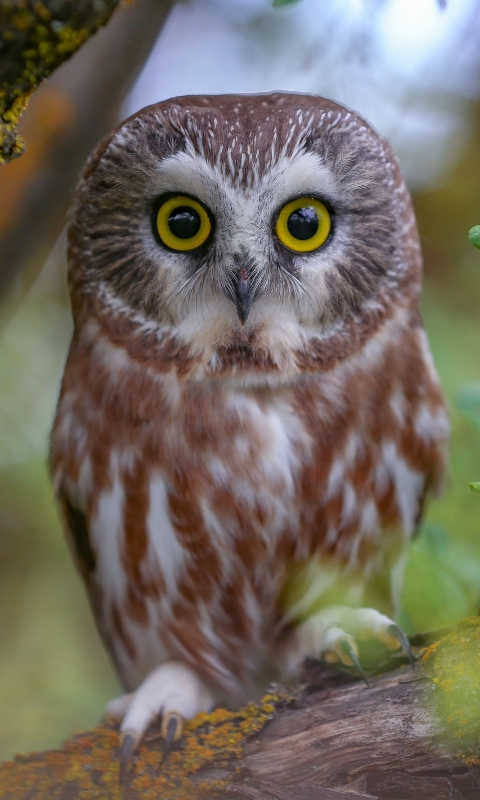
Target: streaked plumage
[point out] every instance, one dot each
(200, 461)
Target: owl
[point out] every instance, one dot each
(249, 420)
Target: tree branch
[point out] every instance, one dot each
(36, 36)
(410, 735)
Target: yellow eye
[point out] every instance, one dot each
(303, 225)
(183, 223)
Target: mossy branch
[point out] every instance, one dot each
(410, 734)
(36, 36)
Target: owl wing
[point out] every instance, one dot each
(76, 529)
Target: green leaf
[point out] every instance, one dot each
(475, 486)
(441, 581)
(474, 236)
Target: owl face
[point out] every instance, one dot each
(234, 218)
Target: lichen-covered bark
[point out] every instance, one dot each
(36, 36)
(409, 735)
(87, 766)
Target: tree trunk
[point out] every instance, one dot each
(410, 734)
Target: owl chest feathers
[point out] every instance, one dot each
(187, 502)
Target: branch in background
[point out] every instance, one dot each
(442, 4)
(71, 111)
(35, 38)
(410, 735)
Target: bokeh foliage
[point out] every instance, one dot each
(54, 674)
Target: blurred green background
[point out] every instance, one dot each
(54, 674)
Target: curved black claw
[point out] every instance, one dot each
(172, 734)
(347, 650)
(402, 639)
(127, 749)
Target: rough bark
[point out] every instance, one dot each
(408, 735)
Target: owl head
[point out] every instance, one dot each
(262, 224)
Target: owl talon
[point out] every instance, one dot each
(128, 745)
(171, 691)
(172, 729)
(399, 635)
(346, 647)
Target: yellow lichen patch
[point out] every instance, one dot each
(87, 765)
(36, 40)
(453, 665)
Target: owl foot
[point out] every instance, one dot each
(172, 729)
(173, 691)
(332, 635)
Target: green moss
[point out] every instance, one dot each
(36, 41)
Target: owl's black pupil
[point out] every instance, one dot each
(184, 222)
(303, 223)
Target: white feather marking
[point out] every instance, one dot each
(351, 449)
(408, 484)
(162, 539)
(397, 404)
(107, 532)
(335, 479)
(369, 517)
(350, 504)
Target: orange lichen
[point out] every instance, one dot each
(453, 665)
(88, 763)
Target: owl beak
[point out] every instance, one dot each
(243, 295)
